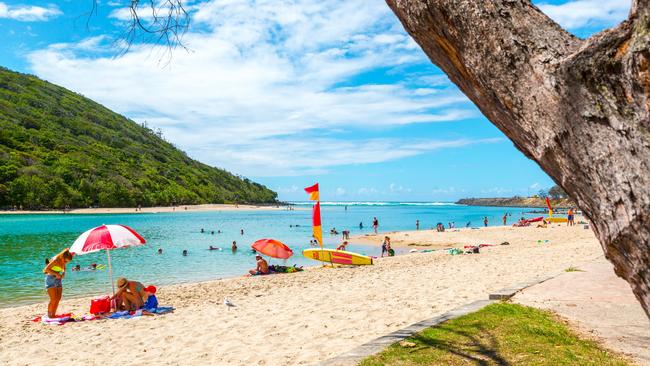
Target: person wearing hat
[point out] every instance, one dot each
(151, 301)
(262, 267)
(130, 295)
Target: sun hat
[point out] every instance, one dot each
(122, 282)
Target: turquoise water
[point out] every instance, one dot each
(26, 240)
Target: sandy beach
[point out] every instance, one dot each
(123, 210)
(430, 239)
(300, 318)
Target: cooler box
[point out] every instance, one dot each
(100, 305)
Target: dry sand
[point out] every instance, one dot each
(122, 210)
(301, 318)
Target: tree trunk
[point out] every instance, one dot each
(580, 108)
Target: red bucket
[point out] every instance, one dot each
(100, 305)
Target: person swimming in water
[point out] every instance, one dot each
(214, 248)
(234, 246)
(185, 252)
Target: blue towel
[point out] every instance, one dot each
(162, 310)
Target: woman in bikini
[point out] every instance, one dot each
(54, 272)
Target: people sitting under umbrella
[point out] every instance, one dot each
(262, 266)
(130, 295)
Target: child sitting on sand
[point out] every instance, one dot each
(152, 301)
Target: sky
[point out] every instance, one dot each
(289, 93)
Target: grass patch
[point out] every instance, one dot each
(573, 269)
(499, 334)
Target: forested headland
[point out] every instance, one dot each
(58, 149)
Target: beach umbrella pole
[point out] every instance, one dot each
(110, 270)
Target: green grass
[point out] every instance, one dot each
(499, 334)
(573, 269)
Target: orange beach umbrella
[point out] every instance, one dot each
(272, 248)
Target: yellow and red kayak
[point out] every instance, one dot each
(337, 256)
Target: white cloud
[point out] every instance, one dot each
(28, 13)
(447, 191)
(583, 13)
(340, 191)
(365, 191)
(396, 188)
(497, 190)
(263, 78)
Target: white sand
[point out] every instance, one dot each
(299, 318)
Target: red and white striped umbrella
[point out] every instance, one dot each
(106, 237)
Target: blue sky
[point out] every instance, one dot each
(290, 93)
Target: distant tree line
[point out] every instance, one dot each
(554, 192)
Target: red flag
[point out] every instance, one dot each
(550, 209)
(313, 192)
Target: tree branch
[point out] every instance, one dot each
(578, 108)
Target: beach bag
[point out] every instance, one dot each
(100, 305)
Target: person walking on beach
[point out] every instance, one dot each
(385, 246)
(375, 224)
(54, 272)
(485, 221)
(505, 219)
(417, 224)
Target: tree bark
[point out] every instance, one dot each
(580, 108)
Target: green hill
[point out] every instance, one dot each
(59, 148)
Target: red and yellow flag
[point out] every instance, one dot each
(313, 192)
(317, 229)
(550, 209)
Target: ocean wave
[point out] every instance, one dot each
(373, 203)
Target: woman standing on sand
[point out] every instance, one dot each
(54, 273)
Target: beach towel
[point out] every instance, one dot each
(57, 319)
(138, 313)
(62, 319)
